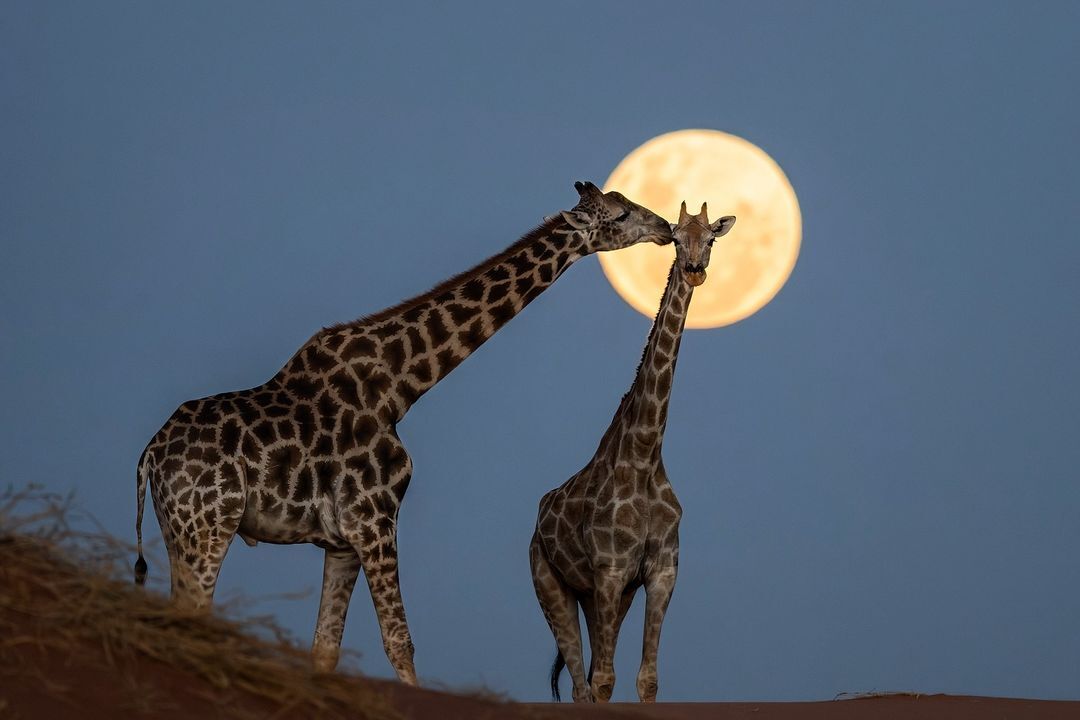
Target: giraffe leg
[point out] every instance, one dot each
(197, 563)
(658, 588)
(561, 612)
(197, 552)
(162, 511)
(607, 596)
(588, 606)
(588, 609)
(170, 549)
(380, 564)
(174, 569)
(340, 570)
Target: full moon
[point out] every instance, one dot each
(750, 264)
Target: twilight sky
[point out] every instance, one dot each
(878, 470)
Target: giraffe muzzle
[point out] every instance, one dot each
(695, 274)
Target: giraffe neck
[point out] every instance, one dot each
(644, 409)
(420, 341)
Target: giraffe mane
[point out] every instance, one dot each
(544, 229)
(652, 333)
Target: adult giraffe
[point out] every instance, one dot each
(312, 455)
(614, 526)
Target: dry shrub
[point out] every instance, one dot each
(69, 589)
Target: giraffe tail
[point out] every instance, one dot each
(141, 476)
(556, 670)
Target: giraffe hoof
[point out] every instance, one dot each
(647, 691)
(324, 660)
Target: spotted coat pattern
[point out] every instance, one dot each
(313, 455)
(614, 526)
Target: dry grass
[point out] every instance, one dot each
(69, 589)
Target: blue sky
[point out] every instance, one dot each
(879, 469)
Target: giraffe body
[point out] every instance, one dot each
(313, 455)
(614, 526)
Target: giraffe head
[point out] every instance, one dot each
(609, 221)
(693, 237)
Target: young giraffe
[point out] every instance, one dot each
(313, 455)
(614, 526)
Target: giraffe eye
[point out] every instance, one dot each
(622, 216)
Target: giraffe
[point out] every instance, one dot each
(313, 455)
(614, 526)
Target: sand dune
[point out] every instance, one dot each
(78, 640)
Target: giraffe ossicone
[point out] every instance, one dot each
(313, 454)
(614, 526)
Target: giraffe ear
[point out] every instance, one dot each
(577, 219)
(721, 227)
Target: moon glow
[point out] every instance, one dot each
(735, 177)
